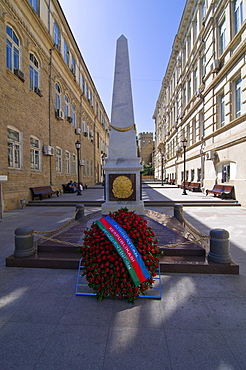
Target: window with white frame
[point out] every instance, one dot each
(83, 84)
(57, 35)
(222, 37)
(67, 106)
(58, 96)
(238, 14)
(222, 110)
(36, 5)
(238, 97)
(67, 154)
(66, 53)
(34, 73)
(14, 148)
(73, 115)
(184, 96)
(189, 89)
(12, 49)
(194, 30)
(58, 160)
(74, 164)
(34, 153)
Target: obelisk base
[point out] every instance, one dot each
(115, 206)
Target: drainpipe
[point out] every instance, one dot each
(50, 131)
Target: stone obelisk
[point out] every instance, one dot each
(122, 167)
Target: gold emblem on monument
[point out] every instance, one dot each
(122, 187)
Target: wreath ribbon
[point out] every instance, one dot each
(120, 129)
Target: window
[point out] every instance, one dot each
(222, 37)
(73, 115)
(203, 66)
(184, 96)
(74, 163)
(199, 174)
(203, 9)
(66, 53)
(195, 81)
(35, 4)
(57, 37)
(192, 175)
(194, 30)
(35, 153)
(58, 160)
(189, 90)
(73, 65)
(238, 97)
(34, 73)
(58, 96)
(67, 104)
(67, 154)
(12, 49)
(201, 126)
(222, 110)
(226, 172)
(14, 146)
(193, 131)
(83, 84)
(238, 13)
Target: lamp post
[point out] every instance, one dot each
(78, 145)
(184, 142)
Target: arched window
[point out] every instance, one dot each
(34, 73)
(35, 153)
(12, 49)
(58, 96)
(14, 148)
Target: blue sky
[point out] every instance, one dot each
(150, 27)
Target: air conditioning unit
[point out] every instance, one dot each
(210, 155)
(69, 119)
(81, 162)
(78, 131)
(59, 114)
(215, 66)
(19, 74)
(37, 91)
(91, 134)
(57, 47)
(85, 134)
(48, 150)
(181, 114)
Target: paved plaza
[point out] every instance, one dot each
(200, 322)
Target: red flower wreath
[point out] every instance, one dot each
(104, 268)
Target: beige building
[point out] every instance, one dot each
(203, 98)
(48, 102)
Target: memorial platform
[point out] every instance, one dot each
(61, 251)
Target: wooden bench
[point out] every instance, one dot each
(43, 191)
(186, 183)
(194, 186)
(224, 191)
(171, 181)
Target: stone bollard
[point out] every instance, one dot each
(24, 242)
(178, 212)
(219, 246)
(80, 208)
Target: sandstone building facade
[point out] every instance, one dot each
(145, 146)
(48, 102)
(203, 98)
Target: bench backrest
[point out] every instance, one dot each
(195, 184)
(218, 187)
(228, 188)
(38, 189)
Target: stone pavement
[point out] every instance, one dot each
(200, 323)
